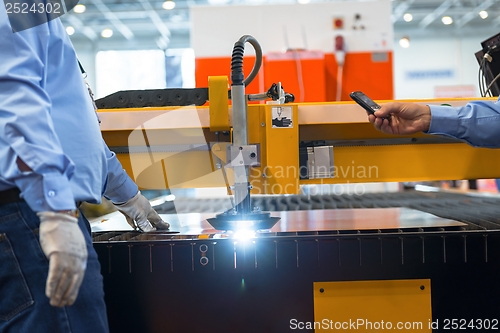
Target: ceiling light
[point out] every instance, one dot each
(79, 8)
(106, 33)
(408, 17)
(404, 42)
(168, 5)
(447, 20)
(483, 14)
(303, 2)
(70, 30)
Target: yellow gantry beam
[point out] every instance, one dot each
(177, 147)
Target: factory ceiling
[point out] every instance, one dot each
(146, 23)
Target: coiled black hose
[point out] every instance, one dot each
(237, 75)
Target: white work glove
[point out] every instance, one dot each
(63, 244)
(141, 215)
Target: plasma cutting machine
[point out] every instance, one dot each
(420, 261)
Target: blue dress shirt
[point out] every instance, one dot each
(47, 120)
(477, 123)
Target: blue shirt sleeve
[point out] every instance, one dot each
(27, 129)
(120, 187)
(477, 123)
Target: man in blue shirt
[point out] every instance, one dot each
(52, 158)
(476, 123)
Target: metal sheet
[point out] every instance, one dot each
(299, 221)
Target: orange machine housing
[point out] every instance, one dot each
(311, 76)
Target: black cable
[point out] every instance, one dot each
(237, 60)
(484, 86)
(482, 76)
(479, 77)
(492, 82)
(483, 82)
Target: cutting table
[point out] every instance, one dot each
(195, 278)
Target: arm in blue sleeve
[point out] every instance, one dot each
(477, 123)
(28, 131)
(119, 186)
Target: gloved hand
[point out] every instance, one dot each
(140, 214)
(63, 244)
